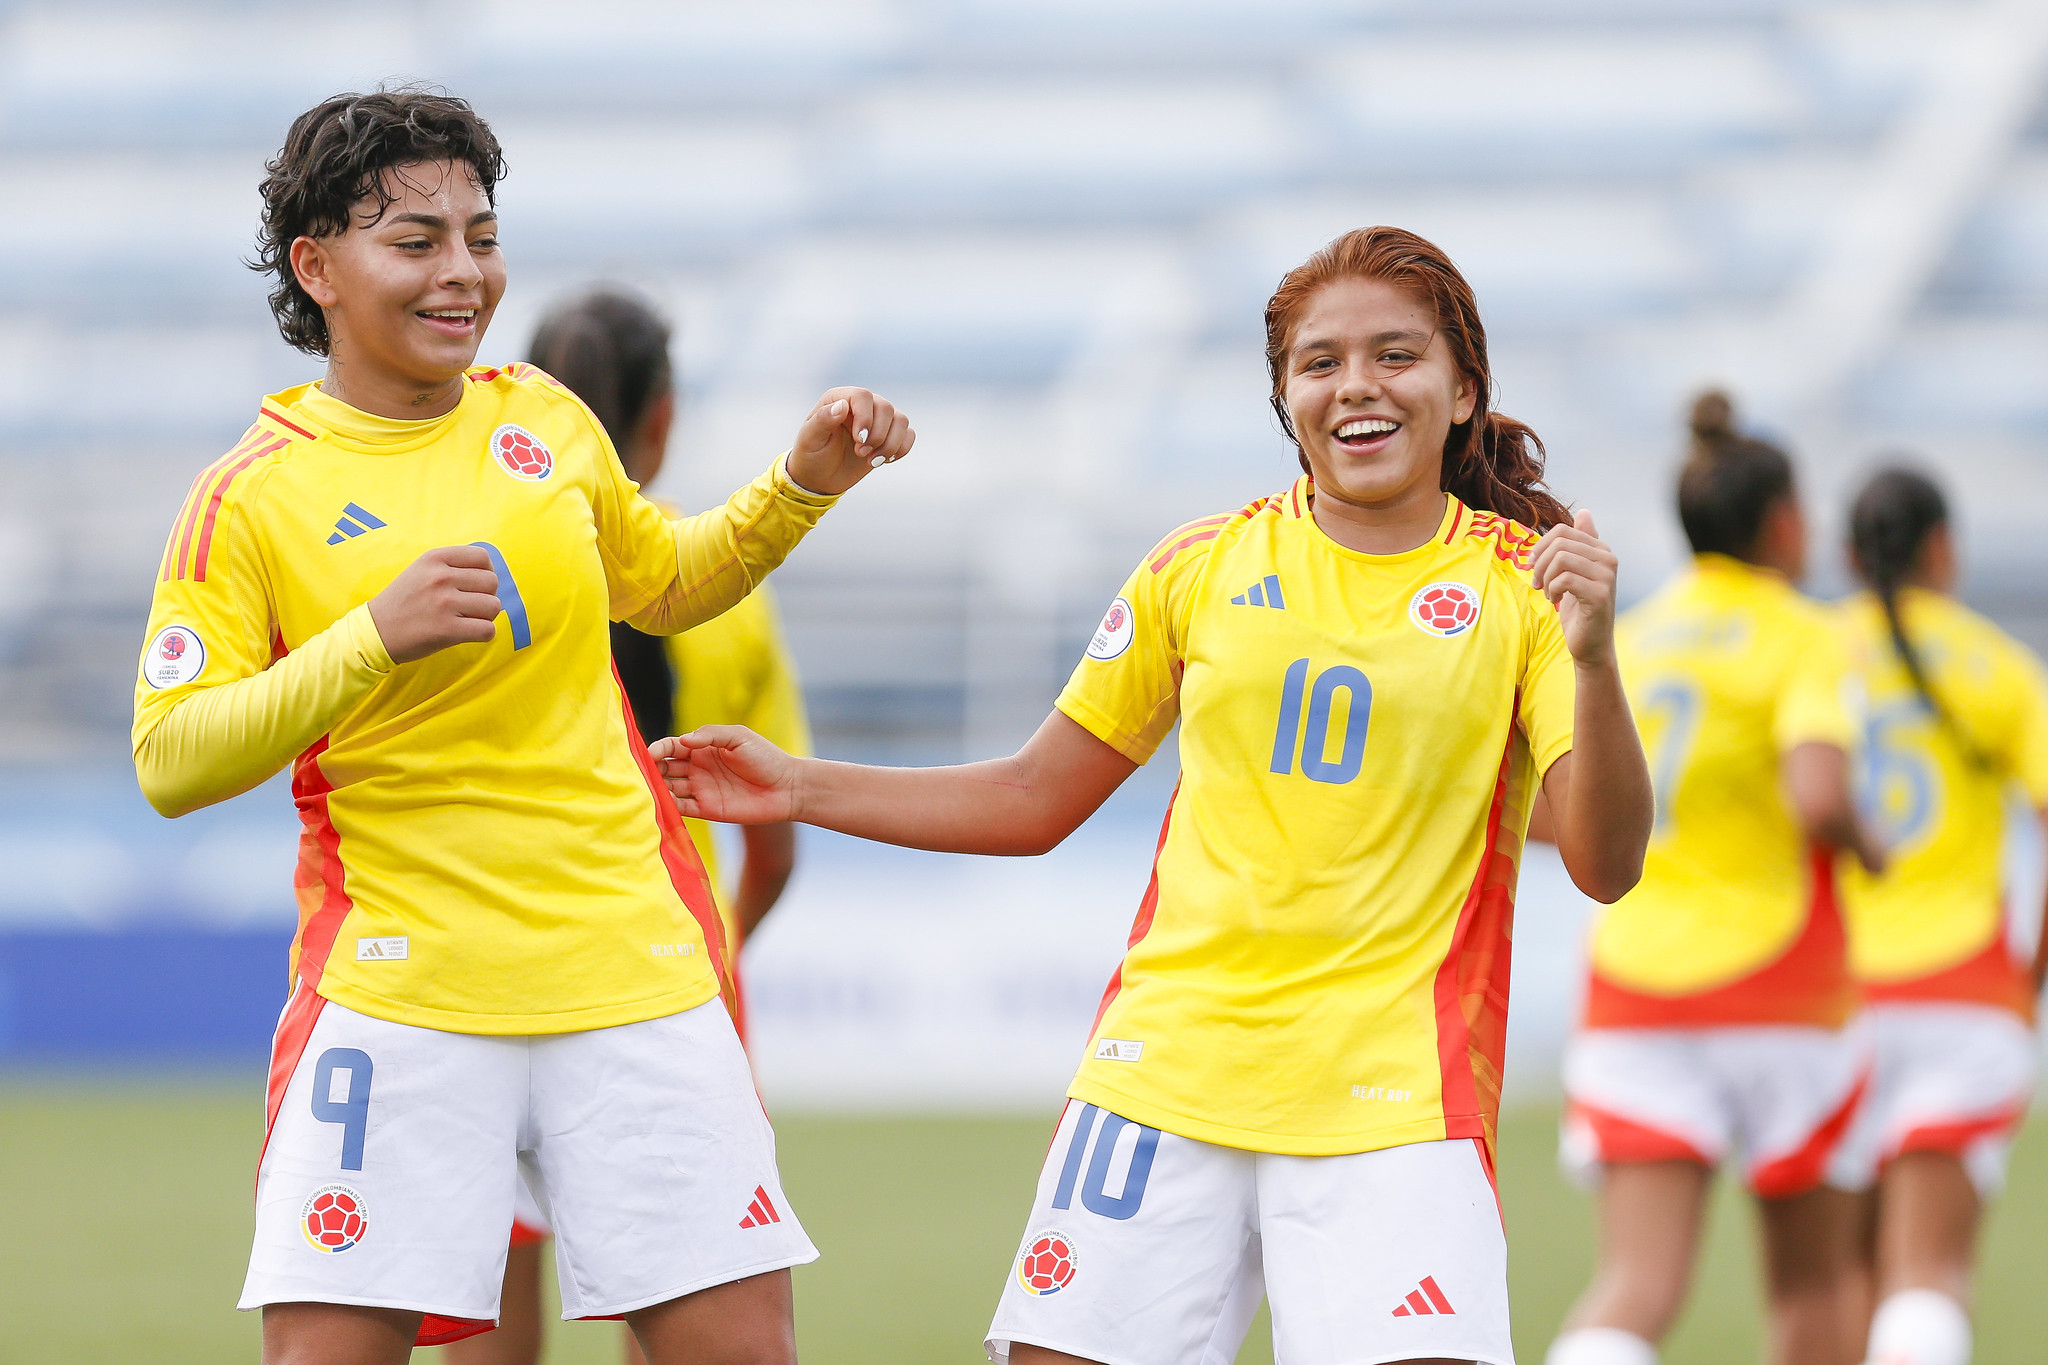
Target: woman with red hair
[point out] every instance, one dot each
(1292, 1084)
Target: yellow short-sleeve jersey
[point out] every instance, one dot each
(736, 669)
(1727, 669)
(1320, 964)
(482, 851)
(1935, 787)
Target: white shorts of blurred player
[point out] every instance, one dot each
(1783, 1096)
(1147, 1248)
(396, 1153)
(1946, 1077)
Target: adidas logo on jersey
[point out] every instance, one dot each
(761, 1212)
(354, 521)
(1424, 1300)
(1265, 593)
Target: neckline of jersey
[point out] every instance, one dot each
(366, 432)
(1437, 539)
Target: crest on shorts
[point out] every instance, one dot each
(334, 1219)
(522, 454)
(1444, 609)
(1047, 1263)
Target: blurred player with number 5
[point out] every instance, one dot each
(1293, 1083)
(507, 956)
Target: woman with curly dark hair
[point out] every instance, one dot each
(397, 583)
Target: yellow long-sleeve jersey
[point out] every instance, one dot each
(1934, 785)
(1735, 920)
(483, 850)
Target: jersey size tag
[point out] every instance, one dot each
(383, 949)
(1118, 1050)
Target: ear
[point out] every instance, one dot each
(313, 268)
(1468, 399)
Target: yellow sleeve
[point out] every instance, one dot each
(2027, 750)
(214, 716)
(1812, 703)
(666, 576)
(775, 710)
(1126, 689)
(1549, 686)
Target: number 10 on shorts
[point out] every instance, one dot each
(1095, 1196)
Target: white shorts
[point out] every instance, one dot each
(1783, 1095)
(1947, 1077)
(1147, 1248)
(395, 1154)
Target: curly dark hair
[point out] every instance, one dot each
(335, 157)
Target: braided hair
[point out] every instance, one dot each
(1890, 522)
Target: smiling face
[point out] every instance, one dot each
(407, 292)
(1373, 393)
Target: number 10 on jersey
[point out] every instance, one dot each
(1312, 739)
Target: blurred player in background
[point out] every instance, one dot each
(1955, 716)
(611, 349)
(1719, 991)
(507, 953)
(1293, 1084)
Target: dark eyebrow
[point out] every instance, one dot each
(435, 220)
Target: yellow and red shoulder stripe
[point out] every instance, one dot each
(191, 543)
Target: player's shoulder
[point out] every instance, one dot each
(1503, 544)
(1187, 547)
(228, 485)
(520, 386)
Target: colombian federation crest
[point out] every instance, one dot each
(522, 454)
(334, 1219)
(1444, 609)
(176, 655)
(1047, 1263)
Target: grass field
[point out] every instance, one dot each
(124, 1219)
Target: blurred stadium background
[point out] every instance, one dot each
(1047, 229)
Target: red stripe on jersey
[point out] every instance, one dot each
(1142, 925)
(1166, 557)
(220, 491)
(188, 515)
(1472, 983)
(1457, 516)
(679, 855)
(321, 880)
(1295, 493)
(289, 426)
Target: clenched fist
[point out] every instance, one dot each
(445, 597)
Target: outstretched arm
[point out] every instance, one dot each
(1023, 804)
(1599, 795)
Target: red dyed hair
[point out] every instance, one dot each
(1491, 463)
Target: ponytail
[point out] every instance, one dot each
(1889, 525)
(1491, 463)
(1729, 482)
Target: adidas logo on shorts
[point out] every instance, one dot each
(761, 1212)
(1424, 1300)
